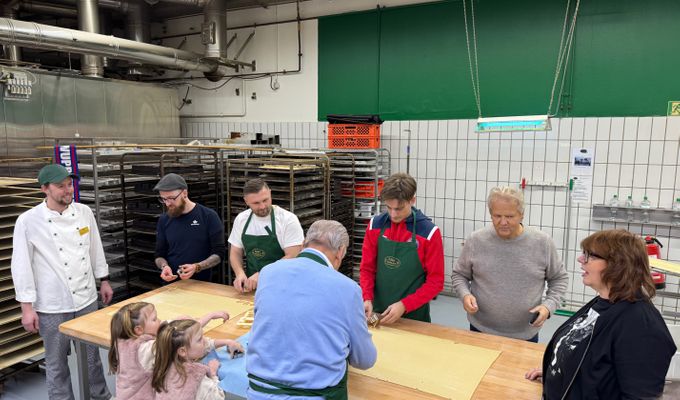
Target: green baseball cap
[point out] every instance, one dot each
(54, 173)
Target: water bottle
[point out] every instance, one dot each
(629, 209)
(676, 212)
(645, 206)
(613, 207)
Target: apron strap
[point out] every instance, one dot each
(413, 234)
(312, 256)
(273, 223)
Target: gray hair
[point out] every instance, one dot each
(506, 193)
(327, 233)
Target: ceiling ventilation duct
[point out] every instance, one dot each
(33, 35)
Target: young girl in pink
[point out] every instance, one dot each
(177, 372)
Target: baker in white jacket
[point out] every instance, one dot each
(57, 254)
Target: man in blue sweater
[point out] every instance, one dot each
(190, 237)
(309, 323)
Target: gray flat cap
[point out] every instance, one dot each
(170, 182)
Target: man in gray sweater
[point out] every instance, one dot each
(502, 271)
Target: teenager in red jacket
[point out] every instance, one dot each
(402, 264)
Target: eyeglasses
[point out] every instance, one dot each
(587, 256)
(164, 200)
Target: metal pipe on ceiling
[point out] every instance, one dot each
(49, 9)
(12, 52)
(29, 34)
(137, 20)
(215, 22)
(88, 21)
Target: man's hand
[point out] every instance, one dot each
(186, 271)
(368, 308)
(106, 292)
(167, 275)
(239, 282)
(29, 318)
(543, 314)
(470, 304)
(393, 313)
(534, 374)
(214, 365)
(251, 283)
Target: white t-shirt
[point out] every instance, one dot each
(288, 229)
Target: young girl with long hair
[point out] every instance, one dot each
(177, 372)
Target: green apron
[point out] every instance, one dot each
(337, 392)
(261, 250)
(399, 274)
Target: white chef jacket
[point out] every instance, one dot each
(56, 258)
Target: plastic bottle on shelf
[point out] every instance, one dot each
(629, 209)
(645, 205)
(676, 212)
(613, 207)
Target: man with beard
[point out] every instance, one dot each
(57, 254)
(189, 237)
(265, 233)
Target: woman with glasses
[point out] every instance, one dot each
(616, 346)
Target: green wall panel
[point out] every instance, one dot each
(348, 64)
(627, 57)
(411, 62)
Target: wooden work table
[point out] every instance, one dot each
(503, 380)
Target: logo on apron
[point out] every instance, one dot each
(392, 262)
(258, 253)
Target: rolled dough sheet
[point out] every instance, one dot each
(175, 302)
(664, 265)
(429, 364)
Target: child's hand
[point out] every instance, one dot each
(213, 315)
(234, 348)
(220, 314)
(214, 365)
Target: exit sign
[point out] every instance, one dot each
(674, 108)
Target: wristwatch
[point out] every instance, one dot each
(198, 268)
(104, 278)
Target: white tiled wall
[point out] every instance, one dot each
(455, 167)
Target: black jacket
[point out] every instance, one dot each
(626, 356)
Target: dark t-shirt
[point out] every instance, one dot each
(190, 238)
(569, 344)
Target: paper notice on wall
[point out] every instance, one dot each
(582, 161)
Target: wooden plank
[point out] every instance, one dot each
(14, 335)
(20, 344)
(9, 212)
(10, 316)
(7, 294)
(7, 201)
(10, 326)
(9, 305)
(21, 355)
(10, 181)
(19, 191)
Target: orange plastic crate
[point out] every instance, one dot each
(353, 136)
(365, 190)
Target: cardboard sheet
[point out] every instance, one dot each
(429, 364)
(176, 302)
